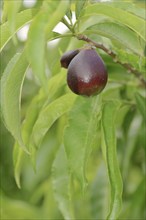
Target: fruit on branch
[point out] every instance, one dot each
(87, 74)
(67, 57)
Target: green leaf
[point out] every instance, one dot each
(54, 86)
(61, 184)
(18, 156)
(49, 115)
(135, 205)
(132, 21)
(121, 34)
(10, 10)
(54, 54)
(139, 63)
(109, 112)
(69, 14)
(15, 209)
(87, 21)
(22, 18)
(131, 138)
(141, 104)
(79, 5)
(80, 135)
(46, 119)
(36, 45)
(138, 197)
(99, 193)
(130, 7)
(42, 26)
(54, 89)
(11, 87)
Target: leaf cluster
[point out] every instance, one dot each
(83, 157)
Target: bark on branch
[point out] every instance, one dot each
(128, 66)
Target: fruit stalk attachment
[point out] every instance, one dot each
(128, 66)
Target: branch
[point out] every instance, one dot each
(128, 66)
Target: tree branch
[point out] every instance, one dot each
(128, 66)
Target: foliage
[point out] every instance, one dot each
(72, 157)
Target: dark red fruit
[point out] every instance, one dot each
(87, 74)
(67, 57)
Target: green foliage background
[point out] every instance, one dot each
(64, 156)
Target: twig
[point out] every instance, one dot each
(128, 66)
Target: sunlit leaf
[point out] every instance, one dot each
(52, 114)
(109, 113)
(10, 10)
(42, 26)
(22, 18)
(130, 7)
(49, 115)
(40, 100)
(87, 21)
(80, 135)
(121, 34)
(132, 21)
(61, 184)
(18, 154)
(11, 87)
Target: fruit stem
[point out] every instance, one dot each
(128, 66)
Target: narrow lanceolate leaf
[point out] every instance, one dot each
(80, 135)
(36, 45)
(54, 85)
(109, 113)
(141, 104)
(18, 156)
(132, 21)
(10, 10)
(139, 63)
(79, 5)
(21, 19)
(69, 14)
(49, 115)
(40, 101)
(42, 26)
(119, 33)
(99, 194)
(130, 7)
(61, 184)
(11, 87)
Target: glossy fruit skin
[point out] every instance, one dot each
(67, 57)
(87, 74)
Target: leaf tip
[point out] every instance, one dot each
(17, 180)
